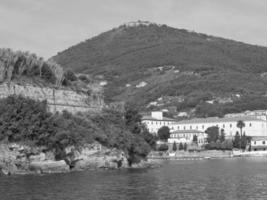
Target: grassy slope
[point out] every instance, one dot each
(129, 55)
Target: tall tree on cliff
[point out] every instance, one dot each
(133, 122)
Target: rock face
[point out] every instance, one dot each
(22, 159)
(49, 166)
(93, 157)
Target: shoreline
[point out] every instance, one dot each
(207, 155)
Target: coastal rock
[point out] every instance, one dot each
(12, 159)
(146, 164)
(49, 166)
(104, 158)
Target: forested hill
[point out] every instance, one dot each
(143, 62)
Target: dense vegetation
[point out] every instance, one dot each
(24, 67)
(27, 121)
(17, 64)
(172, 62)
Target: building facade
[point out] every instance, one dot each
(253, 126)
(187, 136)
(156, 120)
(258, 143)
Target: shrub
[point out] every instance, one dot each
(69, 75)
(163, 147)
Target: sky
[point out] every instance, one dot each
(46, 27)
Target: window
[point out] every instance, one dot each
(255, 142)
(197, 127)
(184, 127)
(203, 126)
(190, 127)
(263, 142)
(178, 127)
(230, 125)
(250, 125)
(223, 126)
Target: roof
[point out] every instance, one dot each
(186, 131)
(216, 119)
(155, 119)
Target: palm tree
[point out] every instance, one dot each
(240, 124)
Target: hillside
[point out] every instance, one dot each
(143, 62)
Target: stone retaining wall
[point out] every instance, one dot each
(57, 99)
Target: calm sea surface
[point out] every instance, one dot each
(207, 179)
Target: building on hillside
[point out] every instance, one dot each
(156, 120)
(186, 136)
(253, 126)
(258, 143)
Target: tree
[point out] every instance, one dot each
(132, 120)
(164, 133)
(185, 146)
(181, 146)
(237, 142)
(240, 124)
(163, 147)
(195, 139)
(213, 134)
(174, 146)
(244, 141)
(69, 75)
(222, 136)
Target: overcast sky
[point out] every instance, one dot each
(46, 27)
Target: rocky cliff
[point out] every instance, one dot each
(23, 159)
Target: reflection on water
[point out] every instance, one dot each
(207, 179)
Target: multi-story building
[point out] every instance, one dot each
(156, 120)
(187, 136)
(253, 126)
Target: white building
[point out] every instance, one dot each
(156, 121)
(259, 143)
(261, 114)
(186, 136)
(253, 126)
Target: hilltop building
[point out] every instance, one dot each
(156, 120)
